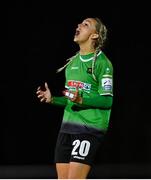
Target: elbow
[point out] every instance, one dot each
(108, 102)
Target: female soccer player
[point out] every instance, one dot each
(87, 101)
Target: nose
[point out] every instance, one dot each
(79, 25)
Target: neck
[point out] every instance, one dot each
(84, 50)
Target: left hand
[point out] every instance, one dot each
(73, 96)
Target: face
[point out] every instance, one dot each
(86, 31)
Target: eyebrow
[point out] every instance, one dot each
(87, 21)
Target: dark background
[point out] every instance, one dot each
(39, 39)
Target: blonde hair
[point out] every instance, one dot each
(98, 44)
(69, 60)
(100, 41)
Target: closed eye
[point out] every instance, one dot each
(85, 24)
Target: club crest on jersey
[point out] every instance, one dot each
(89, 70)
(107, 84)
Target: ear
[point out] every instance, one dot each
(94, 36)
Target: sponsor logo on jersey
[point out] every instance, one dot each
(74, 67)
(79, 84)
(107, 84)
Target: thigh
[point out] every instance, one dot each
(78, 170)
(62, 170)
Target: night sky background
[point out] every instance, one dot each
(39, 39)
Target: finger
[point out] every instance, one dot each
(38, 88)
(76, 93)
(38, 92)
(68, 94)
(77, 88)
(46, 85)
(71, 95)
(74, 98)
(64, 92)
(40, 96)
(43, 99)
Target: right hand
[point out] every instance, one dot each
(44, 95)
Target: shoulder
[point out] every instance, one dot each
(103, 60)
(75, 56)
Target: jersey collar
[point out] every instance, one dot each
(88, 57)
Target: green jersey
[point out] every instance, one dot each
(86, 118)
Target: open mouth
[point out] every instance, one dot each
(77, 32)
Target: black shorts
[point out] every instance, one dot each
(77, 148)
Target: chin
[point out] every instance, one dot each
(76, 42)
(75, 39)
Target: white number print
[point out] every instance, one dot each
(81, 147)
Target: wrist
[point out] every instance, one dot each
(80, 100)
(51, 100)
